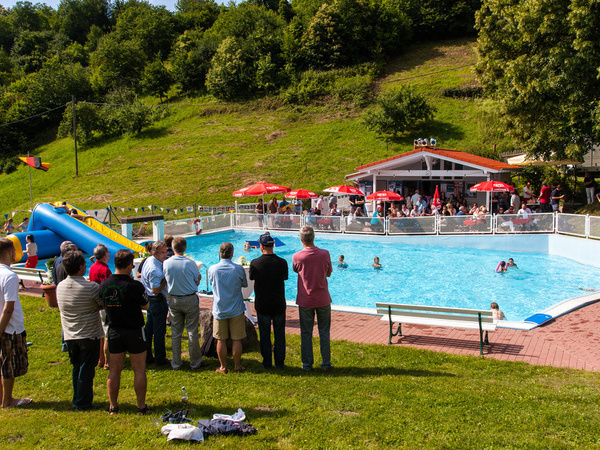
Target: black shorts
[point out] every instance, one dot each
(121, 340)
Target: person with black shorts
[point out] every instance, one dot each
(124, 299)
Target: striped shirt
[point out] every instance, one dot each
(79, 303)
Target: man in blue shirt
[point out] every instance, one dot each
(156, 287)
(227, 280)
(183, 278)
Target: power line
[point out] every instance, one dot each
(32, 117)
(426, 75)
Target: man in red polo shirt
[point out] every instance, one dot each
(545, 197)
(98, 273)
(313, 266)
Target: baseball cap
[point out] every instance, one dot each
(266, 240)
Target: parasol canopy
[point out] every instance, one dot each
(492, 186)
(343, 189)
(261, 188)
(386, 196)
(301, 193)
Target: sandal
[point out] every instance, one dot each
(239, 369)
(112, 411)
(223, 371)
(143, 411)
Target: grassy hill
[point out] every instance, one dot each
(201, 153)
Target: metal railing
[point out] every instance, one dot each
(501, 224)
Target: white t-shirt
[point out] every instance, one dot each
(31, 249)
(9, 292)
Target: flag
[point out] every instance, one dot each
(436, 202)
(35, 162)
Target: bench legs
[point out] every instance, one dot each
(393, 333)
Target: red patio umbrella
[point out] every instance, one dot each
(435, 201)
(385, 196)
(492, 186)
(343, 189)
(301, 193)
(261, 188)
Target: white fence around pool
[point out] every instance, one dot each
(571, 224)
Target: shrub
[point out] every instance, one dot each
(463, 92)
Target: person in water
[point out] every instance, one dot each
(341, 263)
(496, 313)
(511, 263)
(501, 267)
(376, 263)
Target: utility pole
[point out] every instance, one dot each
(30, 191)
(75, 133)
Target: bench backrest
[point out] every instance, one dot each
(435, 312)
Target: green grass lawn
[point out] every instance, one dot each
(378, 396)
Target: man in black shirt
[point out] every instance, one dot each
(124, 299)
(269, 273)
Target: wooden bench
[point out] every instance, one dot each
(437, 316)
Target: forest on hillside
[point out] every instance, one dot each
(539, 62)
(102, 52)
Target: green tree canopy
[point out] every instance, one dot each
(399, 111)
(539, 60)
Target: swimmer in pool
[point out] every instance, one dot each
(376, 264)
(496, 313)
(511, 263)
(341, 263)
(501, 267)
(247, 246)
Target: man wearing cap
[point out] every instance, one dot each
(183, 278)
(313, 266)
(269, 273)
(227, 280)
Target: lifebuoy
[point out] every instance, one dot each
(198, 225)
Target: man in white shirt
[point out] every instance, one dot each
(13, 338)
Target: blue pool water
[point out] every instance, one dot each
(424, 275)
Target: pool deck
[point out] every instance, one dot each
(572, 340)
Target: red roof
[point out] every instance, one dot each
(458, 155)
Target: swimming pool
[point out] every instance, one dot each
(424, 274)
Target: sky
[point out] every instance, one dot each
(170, 4)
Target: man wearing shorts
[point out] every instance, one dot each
(13, 339)
(124, 298)
(227, 280)
(79, 303)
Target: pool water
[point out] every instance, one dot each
(423, 275)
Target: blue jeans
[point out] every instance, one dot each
(156, 326)
(307, 323)
(84, 357)
(278, 348)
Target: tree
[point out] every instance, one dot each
(116, 64)
(156, 79)
(197, 14)
(539, 61)
(77, 17)
(400, 110)
(231, 75)
(191, 59)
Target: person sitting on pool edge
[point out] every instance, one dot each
(501, 267)
(511, 263)
(341, 263)
(496, 313)
(376, 264)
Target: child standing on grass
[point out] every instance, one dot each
(31, 250)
